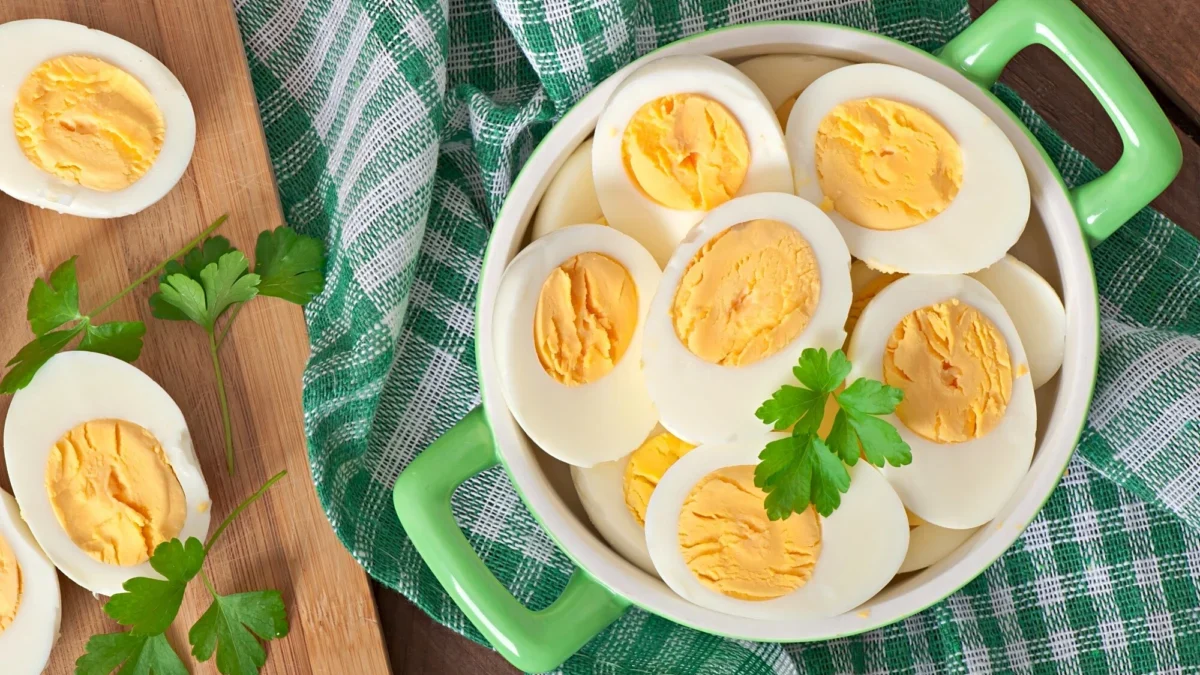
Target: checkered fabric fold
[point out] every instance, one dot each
(396, 128)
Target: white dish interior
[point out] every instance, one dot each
(1052, 244)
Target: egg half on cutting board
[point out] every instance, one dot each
(90, 125)
(102, 466)
(30, 604)
(711, 541)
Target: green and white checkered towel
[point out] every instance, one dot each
(396, 128)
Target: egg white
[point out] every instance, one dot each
(25, 645)
(863, 542)
(954, 485)
(24, 45)
(986, 217)
(1036, 311)
(77, 387)
(601, 490)
(929, 543)
(625, 205)
(586, 424)
(570, 199)
(781, 76)
(703, 402)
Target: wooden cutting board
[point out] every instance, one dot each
(283, 541)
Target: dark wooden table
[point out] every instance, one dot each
(1158, 36)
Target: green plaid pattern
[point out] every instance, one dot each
(396, 128)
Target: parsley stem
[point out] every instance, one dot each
(229, 324)
(158, 268)
(242, 507)
(208, 584)
(224, 402)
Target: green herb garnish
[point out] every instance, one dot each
(803, 468)
(232, 627)
(215, 278)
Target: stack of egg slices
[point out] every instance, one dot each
(684, 257)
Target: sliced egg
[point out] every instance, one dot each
(760, 279)
(1036, 311)
(66, 92)
(917, 178)
(570, 198)
(711, 541)
(783, 77)
(102, 465)
(615, 494)
(30, 605)
(568, 336)
(680, 136)
(948, 343)
(929, 543)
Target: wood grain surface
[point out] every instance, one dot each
(1159, 37)
(284, 541)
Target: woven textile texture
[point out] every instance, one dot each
(396, 129)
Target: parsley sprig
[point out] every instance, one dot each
(207, 282)
(214, 278)
(232, 627)
(803, 468)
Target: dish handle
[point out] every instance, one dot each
(1152, 154)
(531, 641)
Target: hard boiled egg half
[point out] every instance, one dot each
(90, 124)
(568, 339)
(680, 136)
(761, 278)
(929, 543)
(712, 543)
(30, 605)
(102, 465)
(968, 411)
(917, 178)
(1036, 311)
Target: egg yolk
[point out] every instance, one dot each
(784, 111)
(886, 165)
(914, 521)
(114, 492)
(747, 293)
(585, 318)
(732, 547)
(686, 152)
(865, 295)
(646, 467)
(10, 585)
(954, 368)
(88, 122)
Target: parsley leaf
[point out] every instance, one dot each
(149, 606)
(133, 654)
(34, 355)
(289, 265)
(202, 298)
(803, 469)
(122, 339)
(821, 372)
(797, 471)
(53, 303)
(794, 405)
(233, 626)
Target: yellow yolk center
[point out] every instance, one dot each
(10, 585)
(88, 122)
(733, 548)
(784, 111)
(114, 492)
(747, 293)
(865, 295)
(646, 467)
(686, 152)
(954, 368)
(586, 315)
(886, 165)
